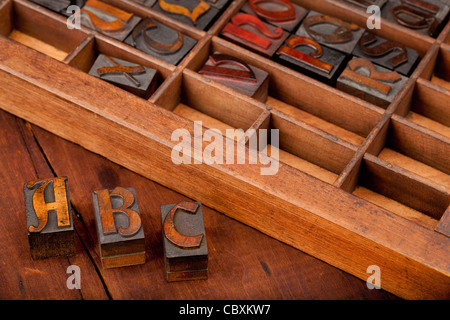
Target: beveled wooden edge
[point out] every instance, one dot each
(315, 217)
(444, 224)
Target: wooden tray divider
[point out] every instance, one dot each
(444, 224)
(6, 17)
(147, 12)
(169, 92)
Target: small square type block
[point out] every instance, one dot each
(184, 241)
(269, 12)
(331, 32)
(49, 218)
(238, 75)
(136, 79)
(370, 82)
(364, 4)
(107, 19)
(312, 59)
(389, 54)
(253, 34)
(160, 41)
(197, 13)
(119, 227)
(424, 16)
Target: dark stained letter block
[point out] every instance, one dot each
(108, 20)
(370, 82)
(252, 33)
(236, 74)
(308, 57)
(161, 41)
(197, 13)
(49, 218)
(119, 227)
(424, 16)
(387, 53)
(136, 79)
(281, 13)
(331, 32)
(184, 241)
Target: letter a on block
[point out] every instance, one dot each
(41, 207)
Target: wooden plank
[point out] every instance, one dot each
(348, 232)
(22, 277)
(444, 224)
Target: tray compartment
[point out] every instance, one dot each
(39, 29)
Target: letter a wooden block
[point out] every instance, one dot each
(119, 227)
(184, 241)
(49, 218)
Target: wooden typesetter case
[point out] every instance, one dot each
(358, 185)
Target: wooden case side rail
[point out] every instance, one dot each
(308, 94)
(343, 230)
(147, 12)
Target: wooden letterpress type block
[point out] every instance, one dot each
(364, 4)
(309, 57)
(184, 241)
(108, 19)
(424, 16)
(60, 6)
(370, 82)
(281, 13)
(387, 53)
(119, 227)
(136, 79)
(197, 13)
(331, 32)
(161, 41)
(49, 218)
(252, 33)
(238, 75)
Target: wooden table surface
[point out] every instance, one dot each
(243, 262)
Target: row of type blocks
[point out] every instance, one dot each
(328, 49)
(120, 231)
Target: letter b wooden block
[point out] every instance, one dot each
(49, 218)
(184, 241)
(119, 227)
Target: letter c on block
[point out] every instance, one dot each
(171, 232)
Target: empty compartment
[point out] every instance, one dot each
(430, 107)
(417, 150)
(401, 192)
(39, 29)
(301, 98)
(307, 149)
(441, 75)
(195, 98)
